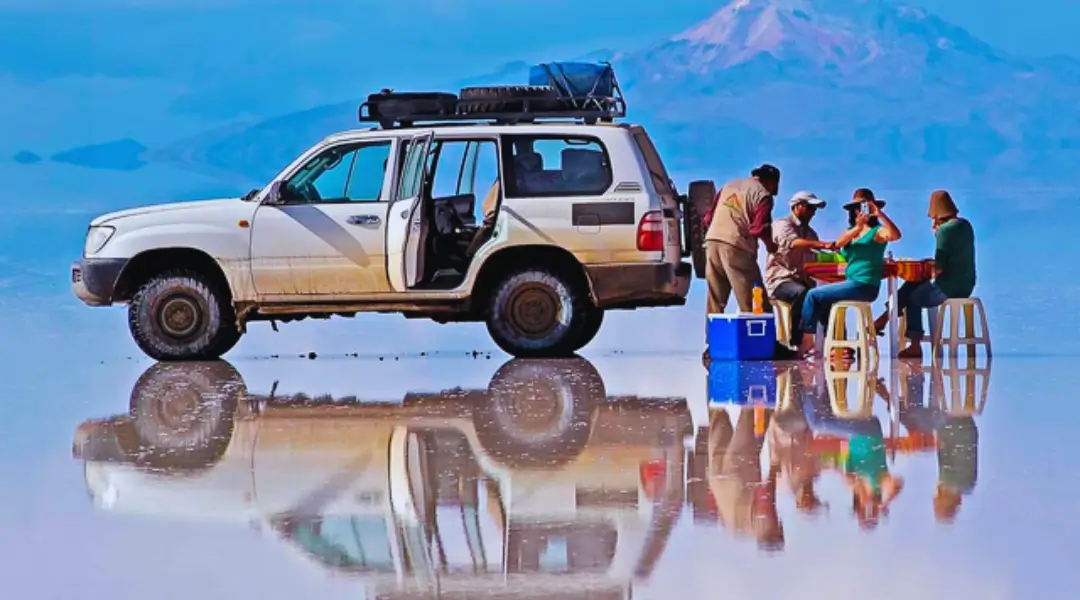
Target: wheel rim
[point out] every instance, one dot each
(534, 311)
(539, 415)
(179, 317)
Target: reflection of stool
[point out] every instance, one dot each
(965, 385)
(865, 342)
(953, 308)
(865, 382)
(782, 310)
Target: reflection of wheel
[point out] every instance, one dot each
(537, 312)
(183, 413)
(183, 315)
(539, 412)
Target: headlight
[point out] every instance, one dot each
(96, 238)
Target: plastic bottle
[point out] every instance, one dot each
(759, 300)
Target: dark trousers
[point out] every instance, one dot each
(793, 293)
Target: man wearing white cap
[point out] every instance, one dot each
(785, 274)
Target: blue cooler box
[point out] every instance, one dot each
(741, 337)
(744, 384)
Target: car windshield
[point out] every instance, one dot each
(354, 543)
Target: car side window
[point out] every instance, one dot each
(539, 166)
(349, 173)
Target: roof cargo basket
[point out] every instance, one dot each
(581, 92)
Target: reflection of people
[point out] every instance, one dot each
(863, 246)
(741, 215)
(866, 471)
(958, 468)
(745, 503)
(790, 439)
(785, 271)
(954, 271)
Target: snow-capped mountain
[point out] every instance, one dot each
(830, 87)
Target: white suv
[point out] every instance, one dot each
(536, 228)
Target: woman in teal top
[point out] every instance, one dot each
(863, 246)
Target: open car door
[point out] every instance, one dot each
(406, 225)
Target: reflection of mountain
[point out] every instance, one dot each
(120, 155)
(541, 481)
(825, 84)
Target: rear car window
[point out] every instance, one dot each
(544, 166)
(661, 180)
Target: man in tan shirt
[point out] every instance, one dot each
(742, 215)
(785, 272)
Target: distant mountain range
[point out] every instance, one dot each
(833, 89)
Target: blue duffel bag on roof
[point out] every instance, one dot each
(575, 79)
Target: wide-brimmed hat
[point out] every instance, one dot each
(862, 195)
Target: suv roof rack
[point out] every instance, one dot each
(502, 105)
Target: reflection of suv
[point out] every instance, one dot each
(535, 227)
(541, 479)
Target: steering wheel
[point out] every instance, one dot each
(306, 193)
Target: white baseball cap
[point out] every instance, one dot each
(807, 197)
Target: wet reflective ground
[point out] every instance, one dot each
(615, 476)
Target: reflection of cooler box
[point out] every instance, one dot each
(747, 383)
(741, 337)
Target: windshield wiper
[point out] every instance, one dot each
(248, 196)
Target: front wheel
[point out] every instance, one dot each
(537, 312)
(183, 315)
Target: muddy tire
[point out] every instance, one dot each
(594, 318)
(537, 312)
(183, 414)
(539, 412)
(183, 315)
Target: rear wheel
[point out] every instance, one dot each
(594, 318)
(183, 315)
(538, 312)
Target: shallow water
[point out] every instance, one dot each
(452, 475)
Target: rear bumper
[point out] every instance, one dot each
(93, 280)
(634, 285)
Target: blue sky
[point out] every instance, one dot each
(189, 58)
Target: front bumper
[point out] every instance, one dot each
(93, 280)
(638, 285)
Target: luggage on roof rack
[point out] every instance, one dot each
(566, 91)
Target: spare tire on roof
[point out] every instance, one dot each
(507, 98)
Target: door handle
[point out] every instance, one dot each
(364, 220)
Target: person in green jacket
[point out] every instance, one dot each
(954, 271)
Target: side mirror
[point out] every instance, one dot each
(273, 195)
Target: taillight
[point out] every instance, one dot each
(650, 232)
(653, 478)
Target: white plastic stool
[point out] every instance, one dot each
(782, 311)
(953, 308)
(865, 342)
